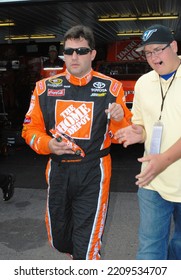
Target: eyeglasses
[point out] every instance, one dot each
(79, 51)
(157, 51)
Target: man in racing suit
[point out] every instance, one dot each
(79, 102)
(52, 66)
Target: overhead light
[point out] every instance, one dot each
(12, 37)
(158, 17)
(3, 69)
(7, 1)
(13, 1)
(7, 22)
(116, 18)
(33, 36)
(130, 33)
(122, 18)
(41, 36)
(52, 68)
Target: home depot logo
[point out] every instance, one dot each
(74, 118)
(129, 52)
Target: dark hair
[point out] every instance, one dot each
(81, 31)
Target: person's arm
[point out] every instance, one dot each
(116, 112)
(157, 163)
(34, 131)
(130, 135)
(174, 152)
(120, 115)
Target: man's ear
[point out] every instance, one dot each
(93, 54)
(174, 46)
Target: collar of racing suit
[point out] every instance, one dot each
(79, 81)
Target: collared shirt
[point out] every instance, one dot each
(146, 111)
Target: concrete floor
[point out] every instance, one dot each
(23, 233)
(22, 227)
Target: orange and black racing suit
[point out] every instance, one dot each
(78, 187)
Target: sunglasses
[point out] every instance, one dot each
(79, 51)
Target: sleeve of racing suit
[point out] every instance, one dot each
(126, 121)
(34, 131)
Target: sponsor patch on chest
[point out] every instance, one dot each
(75, 118)
(56, 92)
